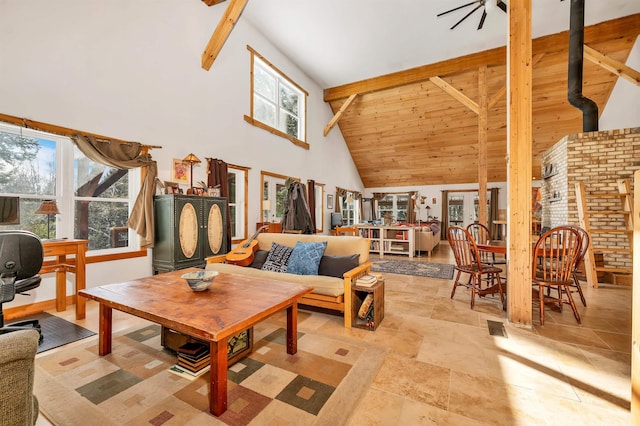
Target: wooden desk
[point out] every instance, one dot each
(232, 304)
(60, 249)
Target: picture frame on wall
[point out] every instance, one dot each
(330, 201)
(180, 171)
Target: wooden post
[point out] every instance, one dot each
(519, 145)
(635, 310)
(483, 130)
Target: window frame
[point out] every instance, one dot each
(394, 206)
(272, 180)
(282, 78)
(353, 206)
(241, 191)
(65, 195)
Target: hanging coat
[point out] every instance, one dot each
(297, 215)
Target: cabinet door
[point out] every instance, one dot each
(188, 214)
(214, 230)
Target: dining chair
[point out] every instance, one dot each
(584, 246)
(352, 230)
(468, 261)
(482, 234)
(554, 261)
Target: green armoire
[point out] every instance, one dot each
(188, 229)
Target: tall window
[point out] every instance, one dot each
(238, 181)
(93, 199)
(349, 207)
(278, 103)
(274, 190)
(395, 205)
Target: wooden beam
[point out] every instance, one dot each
(519, 145)
(212, 2)
(483, 130)
(635, 309)
(501, 92)
(456, 94)
(611, 65)
(341, 111)
(222, 31)
(623, 27)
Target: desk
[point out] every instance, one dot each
(61, 265)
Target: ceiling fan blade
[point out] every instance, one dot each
(502, 5)
(466, 16)
(484, 15)
(458, 8)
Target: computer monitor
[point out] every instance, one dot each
(336, 219)
(9, 210)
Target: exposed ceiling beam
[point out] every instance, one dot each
(222, 31)
(212, 2)
(341, 111)
(503, 90)
(611, 65)
(456, 94)
(624, 27)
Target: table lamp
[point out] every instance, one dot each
(191, 159)
(48, 207)
(266, 208)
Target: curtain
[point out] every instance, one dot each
(411, 214)
(340, 192)
(377, 196)
(218, 175)
(493, 213)
(127, 156)
(445, 215)
(311, 196)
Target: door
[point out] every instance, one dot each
(462, 208)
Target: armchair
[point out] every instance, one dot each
(21, 257)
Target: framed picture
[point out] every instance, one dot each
(171, 188)
(180, 171)
(330, 201)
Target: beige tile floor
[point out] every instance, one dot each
(443, 367)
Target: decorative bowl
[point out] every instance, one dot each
(199, 280)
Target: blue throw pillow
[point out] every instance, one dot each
(278, 258)
(305, 258)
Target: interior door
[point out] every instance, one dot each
(462, 208)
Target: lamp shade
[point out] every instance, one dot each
(191, 158)
(48, 207)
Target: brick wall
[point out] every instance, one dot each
(599, 160)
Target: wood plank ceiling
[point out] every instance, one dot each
(403, 129)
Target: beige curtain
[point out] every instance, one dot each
(127, 156)
(340, 192)
(377, 196)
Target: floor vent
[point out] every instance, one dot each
(496, 328)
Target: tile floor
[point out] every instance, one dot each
(443, 366)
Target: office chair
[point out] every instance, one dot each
(21, 257)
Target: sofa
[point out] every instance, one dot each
(344, 259)
(427, 237)
(18, 404)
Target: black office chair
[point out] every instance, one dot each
(21, 257)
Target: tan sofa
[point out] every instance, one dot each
(426, 240)
(328, 292)
(18, 404)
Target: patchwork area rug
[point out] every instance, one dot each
(57, 331)
(407, 267)
(321, 384)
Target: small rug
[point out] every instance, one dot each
(321, 384)
(407, 267)
(56, 331)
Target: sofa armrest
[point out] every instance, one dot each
(350, 278)
(216, 259)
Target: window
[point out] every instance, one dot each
(277, 103)
(238, 183)
(93, 199)
(349, 207)
(274, 190)
(319, 195)
(395, 205)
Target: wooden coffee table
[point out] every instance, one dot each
(232, 304)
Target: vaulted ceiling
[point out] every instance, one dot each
(412, 128)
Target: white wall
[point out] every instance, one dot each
(623, 109)
(131, 70)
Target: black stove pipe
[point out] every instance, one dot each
(576, 51)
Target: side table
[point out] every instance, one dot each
(375, 313)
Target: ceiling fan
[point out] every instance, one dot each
(486, 4)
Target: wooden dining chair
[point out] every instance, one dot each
(467, 256)
(554, 261)
(585, 240)
(352, 230)
(481, 234)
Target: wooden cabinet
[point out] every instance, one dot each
(272, 226)
(390, 239)
(188, 228)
